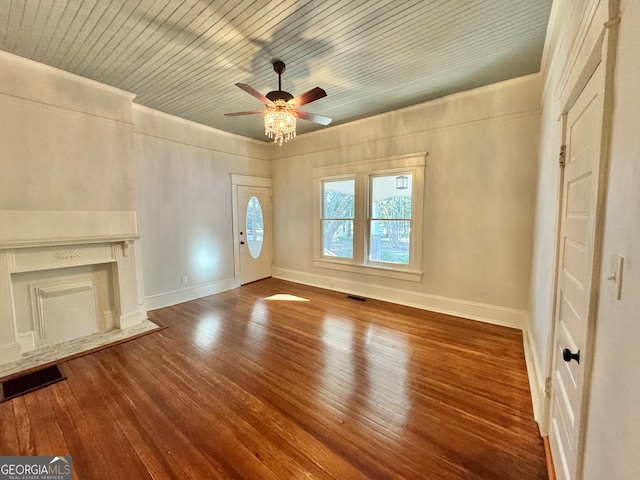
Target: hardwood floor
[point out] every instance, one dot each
(333, 388)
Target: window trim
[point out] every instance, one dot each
(363, 172)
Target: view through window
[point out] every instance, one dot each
(390, 218)
(338, 216)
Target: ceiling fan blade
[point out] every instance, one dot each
(308, 97)
(252, 91)
(312, 117)
(235, 114)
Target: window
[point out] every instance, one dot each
(390, 218)
(254, 227)
(338, 199)
(369, 217)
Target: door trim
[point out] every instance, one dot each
(546, 407)
(245, 181)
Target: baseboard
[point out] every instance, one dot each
(131, 319)
(536, 382)
(496, 315)
(162, 300)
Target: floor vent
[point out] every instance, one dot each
(30, 382)
(355, 297)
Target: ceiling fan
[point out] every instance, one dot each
(282, 108)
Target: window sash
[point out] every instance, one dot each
(394, 253)
(351, 208)
(339, 249)
(335, 245)
(390, 179)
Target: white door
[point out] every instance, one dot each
(575, 307)
(254, 233)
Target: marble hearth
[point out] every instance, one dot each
(66, 275)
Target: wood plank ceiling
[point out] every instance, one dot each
(183, 57)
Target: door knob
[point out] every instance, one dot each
(241, 243)
(567, 356)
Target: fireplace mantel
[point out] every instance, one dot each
(50, 242)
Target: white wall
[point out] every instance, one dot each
(612, 418)
(184, 203)
(66, 141)
(479, 194)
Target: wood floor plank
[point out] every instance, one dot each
(26, 440)
(48, 437)
(89, 449)
(223, 435)
(242, 387)
(273, 426)
(160, 432)
(159, 461)
(375, 420)
(8, 432)
(99, 421)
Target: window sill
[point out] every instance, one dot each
(375, 270)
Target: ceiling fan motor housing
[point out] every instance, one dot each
(279, 95)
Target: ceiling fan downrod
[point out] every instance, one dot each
(279, 67)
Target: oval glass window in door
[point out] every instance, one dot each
(255, 227)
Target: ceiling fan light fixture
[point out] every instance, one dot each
(279, 122)
(282, 108)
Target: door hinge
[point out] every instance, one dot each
(563, 154)
(547, 387)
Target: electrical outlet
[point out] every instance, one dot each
(184, 279)
(615, 276)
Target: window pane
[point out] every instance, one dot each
(391, 196)
(254, 227)
(337, 238)
(338, 198)
(389, 241)
(390, 224)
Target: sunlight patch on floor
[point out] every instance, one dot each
(286, 297)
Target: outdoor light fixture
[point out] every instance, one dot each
(279, 122)
(402, 182)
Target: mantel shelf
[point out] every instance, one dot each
(48, 242)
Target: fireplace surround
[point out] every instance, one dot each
(66, 275)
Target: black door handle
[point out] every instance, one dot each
(241, 243)
(567, 356)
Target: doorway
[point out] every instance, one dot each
(253, 250)
(577, 271)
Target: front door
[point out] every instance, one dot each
(575, 302)
(254, 233)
